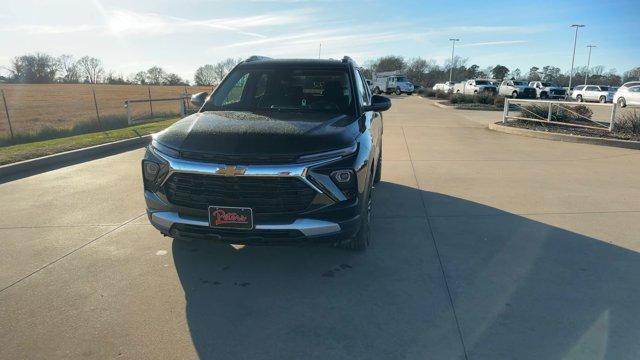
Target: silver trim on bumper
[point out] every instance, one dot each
(163, 220)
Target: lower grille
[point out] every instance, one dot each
(265, 195)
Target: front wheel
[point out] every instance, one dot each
(361, 239)
(514, 95)
(398, 91)
(377, 91)
(544, 95)
(579, 98)
(622, 102)
(603, 99)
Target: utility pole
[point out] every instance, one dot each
(575, 40)
(586, 76)
(453, 49)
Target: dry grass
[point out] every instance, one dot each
(35, 106)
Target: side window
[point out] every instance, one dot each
(366, 96)
(261, 86)
(635, 89)
(591, 88)
(235, 94)
(578, 88)
(360, 88)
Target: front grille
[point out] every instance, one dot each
(265, 195)
(239, 159)
(557, 92)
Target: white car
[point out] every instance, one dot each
(446, 87)
(628, 94)
(597, 93)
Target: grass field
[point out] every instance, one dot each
(15, 153)
(35, 106)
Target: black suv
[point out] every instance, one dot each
(281, 151)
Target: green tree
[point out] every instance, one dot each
(499, 72)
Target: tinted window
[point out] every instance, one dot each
(482, 82)
(291, 89)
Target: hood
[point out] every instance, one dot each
(246, 134)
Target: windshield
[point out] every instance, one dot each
(546, 84)
(482, 82)
(401, 79)
(291, 89)
(521, 83)
(604, 88)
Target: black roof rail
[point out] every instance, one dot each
(256, 58)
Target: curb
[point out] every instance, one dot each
(627, 144)
(437, 103)
(39, 165)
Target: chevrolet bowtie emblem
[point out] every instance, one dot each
(231, 171)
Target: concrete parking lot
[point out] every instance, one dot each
(485, 246)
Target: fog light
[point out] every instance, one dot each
(341, 176)
(150, 170)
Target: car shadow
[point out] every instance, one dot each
(520, 289)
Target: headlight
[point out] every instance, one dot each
(150, 170)
(345, 180)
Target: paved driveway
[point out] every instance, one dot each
(485, 246)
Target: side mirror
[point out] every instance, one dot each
(378, 103)
(198, 99)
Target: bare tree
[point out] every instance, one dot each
(156, 75)
(91, 69)
(222, 68)
(70, 73)
(205, 75)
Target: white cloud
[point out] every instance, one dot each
(120, 22)
(491, 43)
(49, 29)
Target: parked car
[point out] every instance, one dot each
(597, 93)
(281, 151)
(547, 90)
(517, 89)
(445, 87)
(474, 86)
(628, 94)
(391, 82)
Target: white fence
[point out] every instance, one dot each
(183, 99)
(604, 120)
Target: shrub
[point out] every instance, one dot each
(579, 112)
(483, 98)
(427, 92)
(442, 95)
(461, 99)
(498, 101)
(628, 123)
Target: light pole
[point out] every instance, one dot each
(575, 40)
(586, 76)
(453, 49)
(319, 50)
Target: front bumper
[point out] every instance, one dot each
(329, 217)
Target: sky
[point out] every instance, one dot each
(180, 36)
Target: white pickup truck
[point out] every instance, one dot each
(471, 87)
(446, 87)
(547, 90)
(517, 89)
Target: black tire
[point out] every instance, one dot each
(544, 95)
(475, 92)
(378, 176)
(409, 93)
(579, 98)
(361, 240)
(377, 91)
(603, 99)
(398, 91)
(622, 102)
(514, 95)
